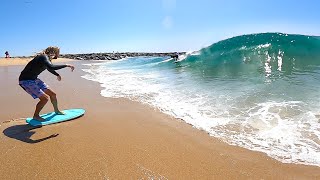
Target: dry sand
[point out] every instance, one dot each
(23, 61)
(116, 139)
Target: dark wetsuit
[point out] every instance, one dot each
(38, 65)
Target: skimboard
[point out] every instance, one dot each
(52, 118)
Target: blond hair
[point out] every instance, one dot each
(52, 50)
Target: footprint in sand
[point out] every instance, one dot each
(11, 120)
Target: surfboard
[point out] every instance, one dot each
(179, 60)
(52, 118)
(167, 60)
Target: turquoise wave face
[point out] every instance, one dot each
(258, 91)
(272, 55)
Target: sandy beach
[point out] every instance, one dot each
(22, 61)
(115, 139)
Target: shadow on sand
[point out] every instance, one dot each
(24, 132)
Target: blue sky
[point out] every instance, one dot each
(83, 26)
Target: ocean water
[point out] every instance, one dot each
(258, 91)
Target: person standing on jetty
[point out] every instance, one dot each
(30, 82)
(7, 54)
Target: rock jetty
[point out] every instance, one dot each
(117, 56)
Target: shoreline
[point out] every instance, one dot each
(118, 138)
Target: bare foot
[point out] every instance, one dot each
(38, 118)
(60, 113)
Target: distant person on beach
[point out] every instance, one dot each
(7, 54)
(30, 82)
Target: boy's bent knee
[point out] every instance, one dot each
(44, 98)
(50, 93)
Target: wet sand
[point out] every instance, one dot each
(116, 139)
